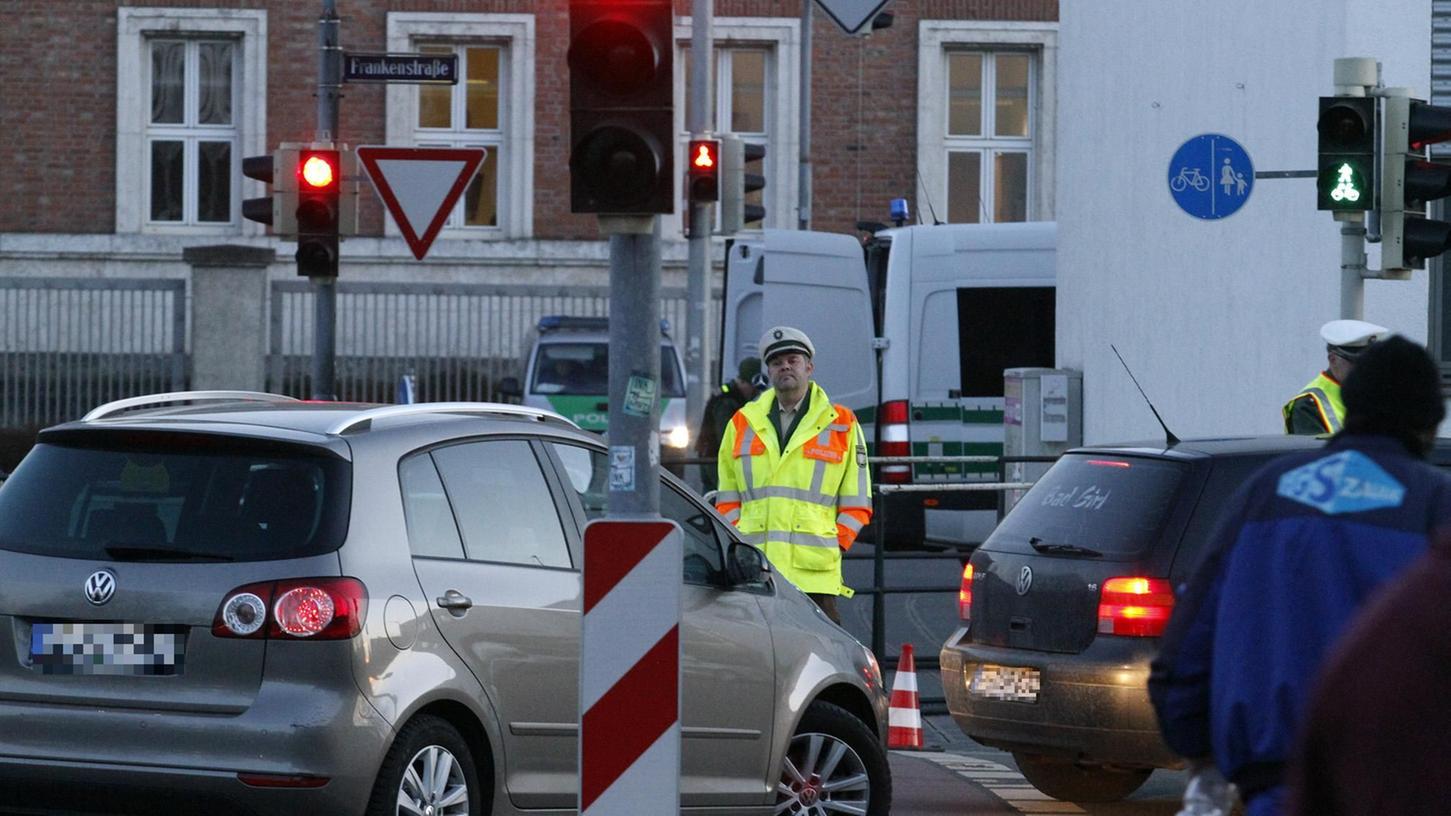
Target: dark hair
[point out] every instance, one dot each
(1394, 389)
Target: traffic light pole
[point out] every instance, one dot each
(634, 362)
(697, 288)
(325, 289)
(803, 218)
(1354, 76)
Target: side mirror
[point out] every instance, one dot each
(745, 564)
(509, 387)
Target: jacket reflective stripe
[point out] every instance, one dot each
(850, 522)
(733, 515)
(794, 493)
(1322, 401)
(727, 496)
(792, 537)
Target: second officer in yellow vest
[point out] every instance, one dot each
(1318, 409)
(793, 472)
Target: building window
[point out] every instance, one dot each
(490, 107)
(985, 130)
(191, 132)
(191, 86)
(756, 87)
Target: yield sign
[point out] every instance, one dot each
(420, 185)
(851, 15)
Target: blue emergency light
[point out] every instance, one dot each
(549, 323)
(899, 210)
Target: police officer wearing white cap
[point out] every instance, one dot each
(1318, 408)
(793, 473)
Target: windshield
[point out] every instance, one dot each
(583, 369)
(1112, 505)
(174, 503)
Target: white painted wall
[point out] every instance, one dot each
(1218, 319)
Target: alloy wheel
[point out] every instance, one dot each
(433, 785)
(822, 775)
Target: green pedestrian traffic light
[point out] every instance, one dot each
(1346, 176)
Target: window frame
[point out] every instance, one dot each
(135, 29)
(780, 37)
(514, 33)
(937, 39)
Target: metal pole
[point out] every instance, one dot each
(325, 290)
(879, 573)
(803, 220)
(697, 293)
(1354, 76)
(634, 436)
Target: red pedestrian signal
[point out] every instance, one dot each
(319, 196)
(702, 176)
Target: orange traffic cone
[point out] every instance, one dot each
(904, 716)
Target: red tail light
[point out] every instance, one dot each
(895, 441)
(1136, 607)
(964, 594)
(295, 609)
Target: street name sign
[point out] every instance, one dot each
(420, 186)
(1211, 176)
(851, 15)
(442, 68)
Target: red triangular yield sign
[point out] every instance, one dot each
(420, 185)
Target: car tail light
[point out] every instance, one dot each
(895, 442)
(964, 594)
(1136, 607)
(295, 609)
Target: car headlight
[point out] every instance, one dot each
(678, 437)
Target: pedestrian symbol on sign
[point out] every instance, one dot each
(1211, 176)
(1345, 185)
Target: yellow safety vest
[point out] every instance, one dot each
(802, 506)
(1324, 392)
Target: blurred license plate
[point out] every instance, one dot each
(107, 648)
(1013, 683)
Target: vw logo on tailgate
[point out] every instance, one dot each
(100, 586)
(1025, 580)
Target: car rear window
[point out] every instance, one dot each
(201, 501)
(1113, 505)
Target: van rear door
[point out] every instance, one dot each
(816, 282)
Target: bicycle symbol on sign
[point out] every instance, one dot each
(1189, 177)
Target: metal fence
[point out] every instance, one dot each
(69, 344)
(457, 340)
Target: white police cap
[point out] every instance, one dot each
(783, 339)
(1348, 338)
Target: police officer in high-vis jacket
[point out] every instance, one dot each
(1318, 409)
(793, 472)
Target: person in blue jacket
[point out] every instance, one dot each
(1311, 536)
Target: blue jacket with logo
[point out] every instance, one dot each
(1303, 544)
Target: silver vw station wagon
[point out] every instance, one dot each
(225, 602)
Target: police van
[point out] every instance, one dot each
(566, 370)
(913, 330)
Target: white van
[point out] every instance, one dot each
(949, 307)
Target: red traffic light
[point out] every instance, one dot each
(704, 157)
(318, 169)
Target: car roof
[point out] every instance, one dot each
(271, 415)
(1211, 447)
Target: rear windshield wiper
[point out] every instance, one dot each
(1062, 549)
(122, 552)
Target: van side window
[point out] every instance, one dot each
(1002, 327)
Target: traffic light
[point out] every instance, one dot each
(736, 184)
(1409, 180)
(1346, 176)
(319, 187)
(621, 98)
(702, 173)
(277, 209)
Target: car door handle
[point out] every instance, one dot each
(454, 600)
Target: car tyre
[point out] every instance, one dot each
(429, 764)
(1069, 781)
(834, 759)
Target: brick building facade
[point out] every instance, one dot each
(121, 148)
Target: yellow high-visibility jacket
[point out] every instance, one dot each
(805, 505)
(1323, 392)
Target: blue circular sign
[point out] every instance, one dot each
(1211, 176)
